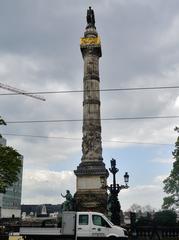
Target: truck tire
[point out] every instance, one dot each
(112, 238)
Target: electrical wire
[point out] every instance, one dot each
(103, 119)
(79, 139)
(101, 90)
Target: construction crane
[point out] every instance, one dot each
(18, 91)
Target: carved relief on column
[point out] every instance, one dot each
(91, 144)
(91, 67)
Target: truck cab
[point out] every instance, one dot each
(94, 224)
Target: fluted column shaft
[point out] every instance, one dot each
(91, 143)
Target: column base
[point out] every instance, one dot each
(91, 200)
(87, 168)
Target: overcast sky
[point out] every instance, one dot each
(39, 51)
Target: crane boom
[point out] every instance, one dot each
(18, 91)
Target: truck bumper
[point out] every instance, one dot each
(102, 238)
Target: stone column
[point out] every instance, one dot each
(91, 172)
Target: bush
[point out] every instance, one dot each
(144, 221)
(165, 218)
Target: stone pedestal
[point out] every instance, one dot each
(91, 200)
(90, 195)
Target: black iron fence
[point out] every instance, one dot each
(154, 233)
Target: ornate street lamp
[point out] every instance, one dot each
(114, 189)
(126, 178)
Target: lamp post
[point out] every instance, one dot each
(114, 189)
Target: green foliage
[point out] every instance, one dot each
(161, 218)
(171, 183)
(10, 166)
(165, 218)
(144, 221)
(168, 202)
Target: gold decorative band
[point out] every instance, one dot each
(88, 41)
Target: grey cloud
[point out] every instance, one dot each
(39, 47)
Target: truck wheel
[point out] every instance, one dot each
(112, 238)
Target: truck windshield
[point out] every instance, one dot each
(108, 221)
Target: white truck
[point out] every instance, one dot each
(78, 226)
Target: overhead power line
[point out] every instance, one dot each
(79, 139)
(101, 90)
(103, 119)
(20, 92)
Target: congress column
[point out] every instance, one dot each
(91, 172)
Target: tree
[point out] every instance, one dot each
(141, 209)
(144, 220)
(135, 208)
(148, 209)
(171, 183)
(165, 218)
(10, 165)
